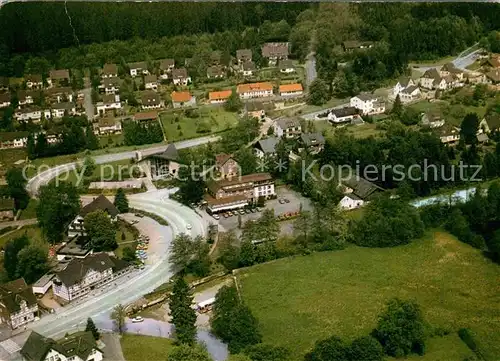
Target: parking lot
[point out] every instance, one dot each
(279, 206)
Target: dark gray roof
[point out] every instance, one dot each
(66, 106)
(79, 344)
(100, 203)
(432, 74)
(215, 70)
(248, 65)
(244, 54)
(344, 112)
(151, 78)
(312, 139)
(170, 153)
(77, 268)
(267, 145)
(138, 65)
(410, 89)
(366, 96)
(286, 123)
(4, 97)
(179, 73)
(361, 187)
(404, 81)
(254, 106)
(110, 82)
(150, 98)
(286, 64)
(166, 64)
(13, 292)
(110, 69)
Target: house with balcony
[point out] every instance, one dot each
(243, 55)
(109, 71)
(100, 203)
(180, 77)
(110, 85)
(287, 128)
(18, 304)
(109, 102)
(138, 68)
(410, 94)
(248, 68)
(79, 346)
(215, 72)
(4, 100)
(59, 95)
(107, 126)
(26, 97)
(59, 78)
(10, 140)
(31, 114)
(151, 82)
(286, 67)
(275, 52)
(226, 166)
(166, 66)
(82, 275)
(33, 81)
(151, 100)
(238, 192)
(59, 110)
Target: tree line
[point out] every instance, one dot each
(135, 133)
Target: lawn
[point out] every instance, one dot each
(178, 126)
(30, 211)
(33, 232)
(10, 156)
(313, 297)
(128, 240)
(107, 171)
(357, 131)
(140, 348)
(453, 114)
(111, 140)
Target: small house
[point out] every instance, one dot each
(286, 67)
(275, 52)
(180, 77)
(109, 71)
(243, 55)
(287, 128)
(138, 68)
(219, 97)
(151, 100)
(59, 78)
(183, 99)
(151, 82)
(291, 90)
(248, 68)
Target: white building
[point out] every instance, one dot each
(151, 82)
(291, 90)
(138, 68)
(100, 203)
(180, 77)
(83, 275)
(109, 102)
(255, 90)
(351, 201)
(4, 100)
(60, 109)
(343, 115)
(288, 128)
(108, 126)
(402, 84)
(18, 304)
(368, 104)
(110, 85)
(34, 81)
(410, 94)
(79, 346)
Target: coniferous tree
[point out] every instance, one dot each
(183, 316)
(92, 328)
(121, 201)
(92, 141)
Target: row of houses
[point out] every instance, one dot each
(9, 140)
(256, 90)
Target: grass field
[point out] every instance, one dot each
(131, 235)
(178, 126)
(313, 297)
(9, 156)
(30, 211)
(140, 348)
(357, 131)
(33, 232)
(101, 171)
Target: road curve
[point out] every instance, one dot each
(141, 282)
(44, 177)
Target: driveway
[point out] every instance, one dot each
(113, 349)
(310, 67)
(87, 100)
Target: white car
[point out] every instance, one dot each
(216, 216)
(137, 319)
(188, 226)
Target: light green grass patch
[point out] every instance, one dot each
(33, 232)
(141, 348)
(301, 300)
(129, 240)
(210, 120)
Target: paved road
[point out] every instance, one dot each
(461, 61)
(129, 289)
(87, 101)
(23, 222)
(44, 177)
(310, 69)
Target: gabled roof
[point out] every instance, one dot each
(248, 65)
(366, 96)
(77, 268)
(79, 344)
(179, 73)
(410, 89)
(296, 87)
(432, 74)
(221, 159)
(216, 70)
(4, 97)
(34, 78)
(166, 64)
(494, 75)
(14, 292)
(311, 139)
(493, 120)
(138, 65)
(344, 112)
(223, 94)
(108, 69)
(267, 145)
(286, 64)
(59, 91)
(65, 106)
(100, 203)
(59, 74)
(286, 123)
(150, 98)
(244, 54)
(146, 116)
(170, 153)
(181, 97)
(361, 187)
(253, 87)
(151, 78)
(404, 81)
(275, 50)
(109, 98)
(111, 82)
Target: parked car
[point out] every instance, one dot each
(137, 319)
(229, 214)
(216, 216)
(225, 215)
(247, 211)
(241, 211)
(287, 200)
(138, 215)
(188, 226)
(253, 210)
(281, 201)
(258, 209)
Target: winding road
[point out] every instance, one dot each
(139, 282)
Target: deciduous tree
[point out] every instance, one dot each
(16, 186)
(118, 316)
(32, 263)
(101, 231)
